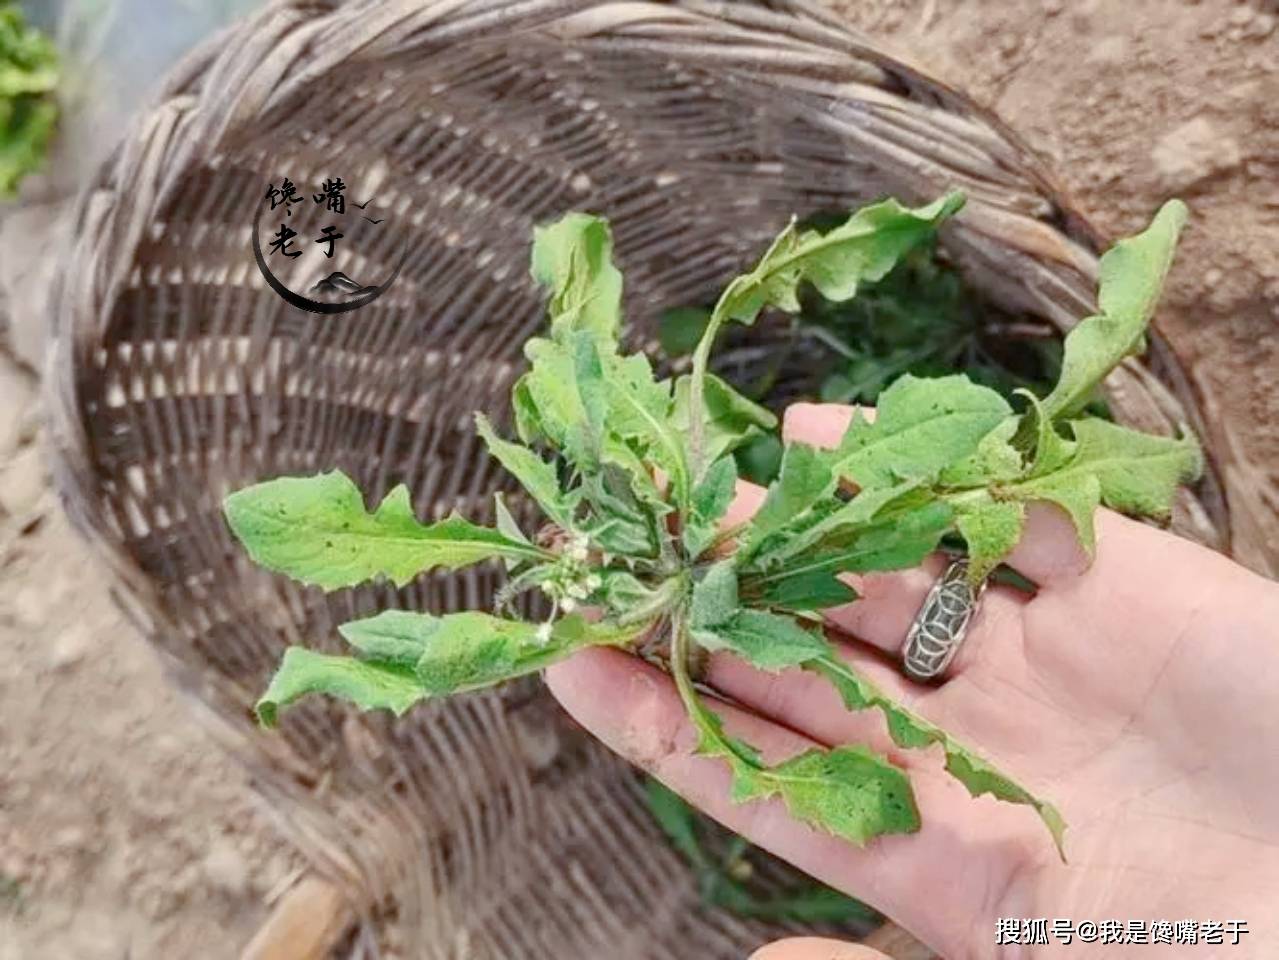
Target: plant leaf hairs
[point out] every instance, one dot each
(640, 476)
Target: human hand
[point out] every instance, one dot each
(1134, 693)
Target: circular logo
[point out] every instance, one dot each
(331, 290)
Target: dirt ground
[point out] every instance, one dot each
(125, 834)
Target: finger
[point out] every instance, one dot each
(816, 948)
(807, 702)
(934, 882)
(819, 425)
(1049, 550)
(746, 501)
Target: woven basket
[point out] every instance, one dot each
(487, 826)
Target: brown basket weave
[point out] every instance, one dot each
(488, 825)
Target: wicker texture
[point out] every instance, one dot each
(490, 826)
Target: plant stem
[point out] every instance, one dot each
(679, 665)
(696, 391)
(654, 607)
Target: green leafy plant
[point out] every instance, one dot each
(28, 75)
(640, 475)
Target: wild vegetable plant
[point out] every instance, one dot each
(639, 477)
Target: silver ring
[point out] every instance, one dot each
(941, 624)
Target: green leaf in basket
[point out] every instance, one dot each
(317, 530)
(863, 248)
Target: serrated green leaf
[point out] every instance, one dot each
(710, 501)
(573, 257)
(534, 474)
(316, 530)
(804, 480)
(1038, 438)
(369, 685)
(731, 420)
(1078, 494)
(1124, 469)
(837, 524)
(921, 427)
(471, 650)
(553, 402)
(991, 529)
(994, 460)
(417, 655)
(848, 792)
(393, 636)
(896, 541)
(864, 248)
(1132, 273)
(803, 592)
(764, 640)
(620, 522)
(639, 409)
(913, 732)
(1139, 473)
(714, 596)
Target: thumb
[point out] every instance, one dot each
(816, 948)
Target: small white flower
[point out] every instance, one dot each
(593, 582)
(568, 604)
(576, 590)
(544, 633)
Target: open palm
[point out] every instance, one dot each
(1133, 693)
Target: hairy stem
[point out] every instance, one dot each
(696, 392)
(680, 650)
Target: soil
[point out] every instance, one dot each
(124, 833)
